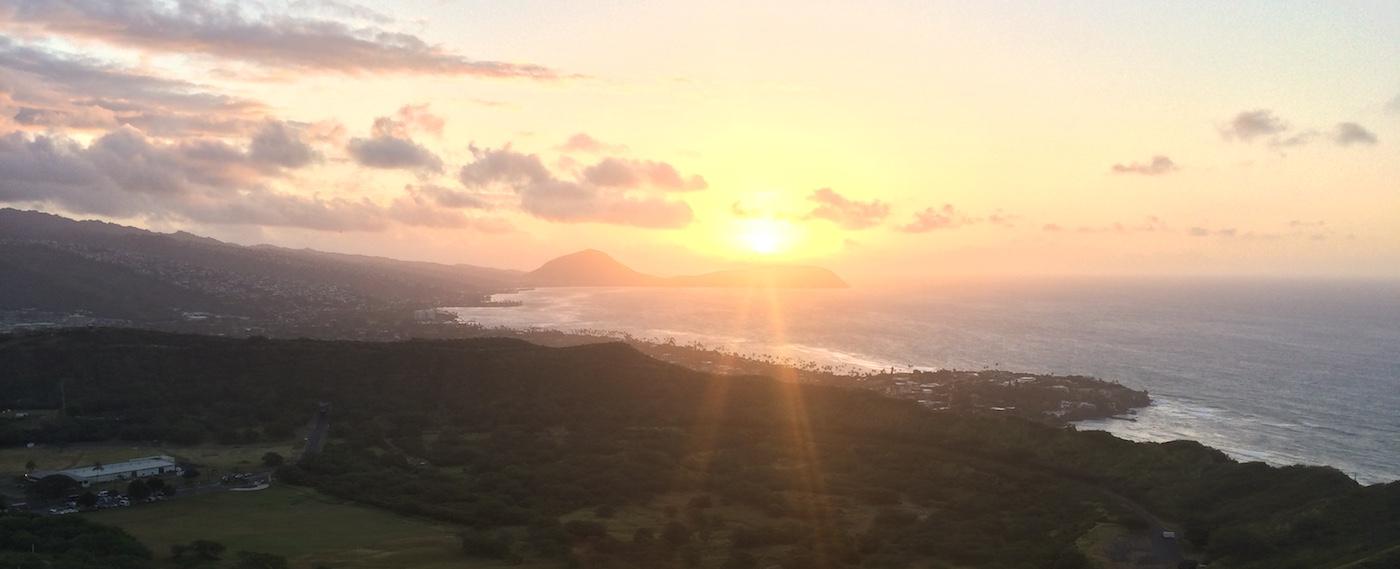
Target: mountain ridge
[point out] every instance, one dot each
(55, 264)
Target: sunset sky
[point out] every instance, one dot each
(909, 139)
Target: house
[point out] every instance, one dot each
(126, 470)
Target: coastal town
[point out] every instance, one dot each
(1048, 398)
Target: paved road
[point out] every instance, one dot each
(1165, 552)
(320, 425)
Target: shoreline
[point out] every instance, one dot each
(1169, 416)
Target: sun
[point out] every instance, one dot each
(766, 236)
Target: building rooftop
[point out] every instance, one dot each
(132, 465)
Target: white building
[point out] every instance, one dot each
(126, 470)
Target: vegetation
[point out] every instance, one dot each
(512, 440)
(273, 460)
(67, 542)
(196, 553)
(54, 264)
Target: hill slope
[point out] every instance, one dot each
(57, 264)
(497, 433)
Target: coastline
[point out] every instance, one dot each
(1202, 395)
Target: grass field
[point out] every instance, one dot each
(308, 528)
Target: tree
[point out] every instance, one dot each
(256, 560)
(675, 534)
(1072, 558)
(477, 543)
(54, 486)
(278, 431)
(88, 500)
(273, 460)
(155, 484)
(691, 556)
(30, 465)
(740, 560)
(138, 490)
(1239, 543)
(584, 529)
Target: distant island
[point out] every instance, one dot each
(591, 267)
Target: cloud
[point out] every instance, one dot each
(1158, 166)
(546, 196)
(1394, 105)
(1295, 229)
(450, 198)
(1150, 224)
(845, 212)
(389, 145)
(390, 152)
(1300, 139)
(1003, 219)
(1350, 133)
(503, 166)
(1250, 125)
(1198, 231)
(623, 173)
(124, 174)
(931, 219)
(80, 118)
(347, 10)
(297, 42)
(585, 144)
(418, 208)
(61, 91)
(278, 144)
(407, 120)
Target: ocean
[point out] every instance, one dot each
(1281, 372)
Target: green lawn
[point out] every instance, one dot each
(299, 523)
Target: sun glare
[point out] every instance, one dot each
(766, 236)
